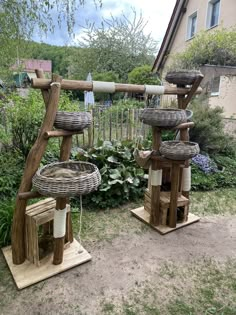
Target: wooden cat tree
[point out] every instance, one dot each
(23, 255)
(160, 206)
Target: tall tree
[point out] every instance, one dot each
(118, 45)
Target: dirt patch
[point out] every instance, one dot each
(128, 270)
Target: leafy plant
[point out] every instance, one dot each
(122, 179)
(6, 216)
(208, 130)
(143, 75)
(215, 48)
(11, 168)
(212, 181)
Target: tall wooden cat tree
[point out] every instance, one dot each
(27, 270)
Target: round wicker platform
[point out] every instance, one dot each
(179, 150)
(185, 77)
(66, 179)
(163, 117)
(73, 121)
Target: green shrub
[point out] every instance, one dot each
(208, 130)
(212, 181)
(11, 169)
(25, 117)
(6, 216)
(215, 48)
(122, 179)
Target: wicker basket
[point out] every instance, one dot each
(72, 121)
(179, 150)
(87, 179)
(163, 117)
(185, 77)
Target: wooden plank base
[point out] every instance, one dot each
(144, 216)
(27, 273)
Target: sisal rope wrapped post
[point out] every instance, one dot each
(59, 230)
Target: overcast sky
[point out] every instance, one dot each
(156, 12)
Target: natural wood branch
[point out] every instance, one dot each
(45, 93)
(29, 195)
(184, 126)
(31, 166)
(88, 86)
(193, 90)
(61, 133)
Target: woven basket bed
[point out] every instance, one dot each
(72, 120)
(79, 178)
(185, 77)
(163, 117)
(179, 150)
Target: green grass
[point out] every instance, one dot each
(218, 202)
(200, 288)
(107, 224)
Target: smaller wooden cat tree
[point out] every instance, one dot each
(161, 207)
(23, 255)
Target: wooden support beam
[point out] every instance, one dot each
(60, 133)
(174, 195)
(184, 126)
(88, 86)
(193, 90)
(59, 242)
(29, 195)
(155, 190)
(65, 156)
(45, 92)
(31, 166)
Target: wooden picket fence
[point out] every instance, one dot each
(114, 124)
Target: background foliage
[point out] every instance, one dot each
(214, 48)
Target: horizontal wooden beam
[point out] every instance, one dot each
(88, 86)
(61, 133)
(29, 195)
(184, 125)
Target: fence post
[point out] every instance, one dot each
(90, 132)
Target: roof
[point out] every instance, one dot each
(29, 65)
(179, 10)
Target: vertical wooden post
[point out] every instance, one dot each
(31, 166)
(127, 125)
(131, 124)
(64, 156)
(121, 124)
(174, 194)
(110, 126)
(59, 242)
(155, 190)
(90, 132)
(117, 122)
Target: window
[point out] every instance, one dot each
(213, 13)
(192, 25)
(215, 86)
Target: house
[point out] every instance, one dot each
(189, 17)
(24, 70)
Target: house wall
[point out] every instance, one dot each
(226, 97)
(227, 19)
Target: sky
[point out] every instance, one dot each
(156, 12)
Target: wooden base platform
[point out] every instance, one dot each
(27, 273)
(144, 216)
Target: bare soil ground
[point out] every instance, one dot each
(134, 270)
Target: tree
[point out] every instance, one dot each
(118, 45)
(20, 19)
(143, 75)
(215, 48)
